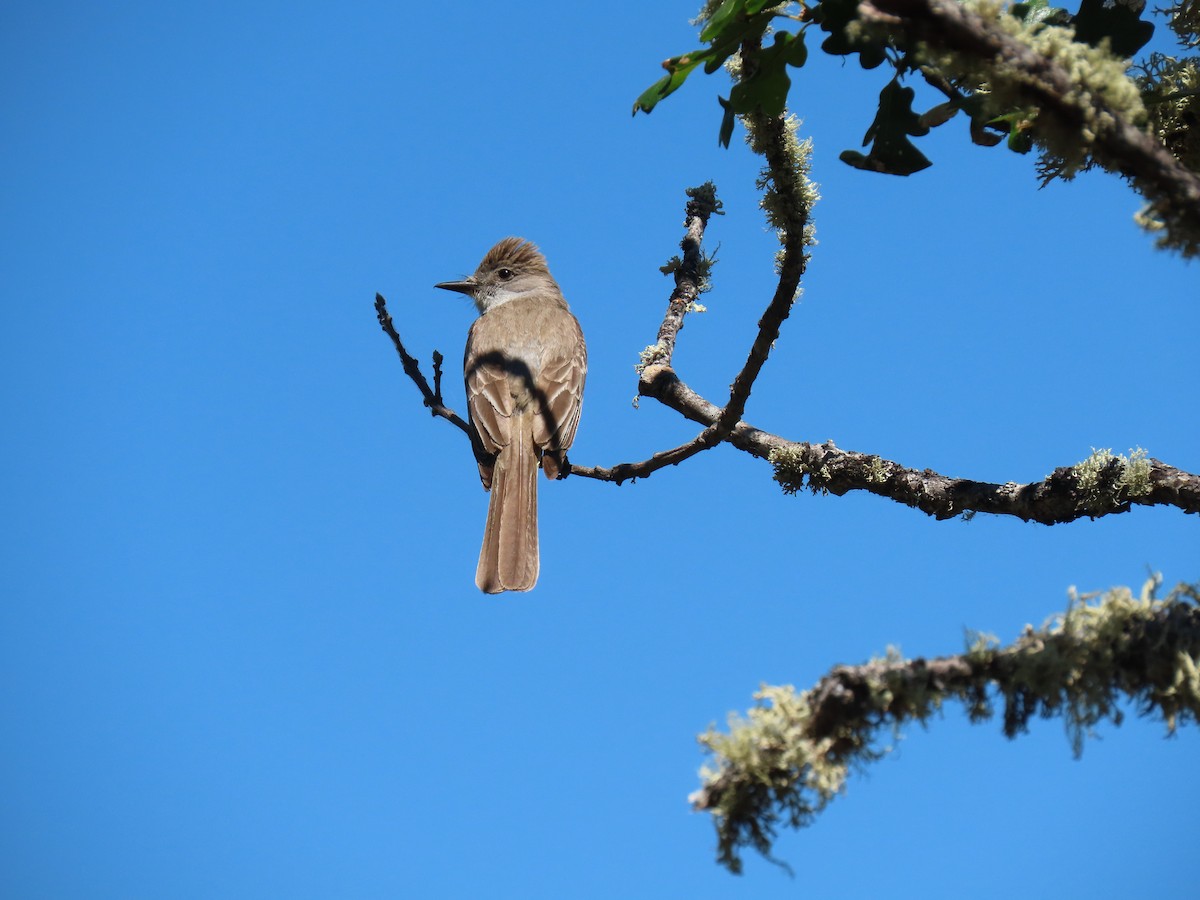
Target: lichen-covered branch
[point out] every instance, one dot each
(1100, 485)
(691, 273)
(791, 755)
(1086, 105)
(788, 198)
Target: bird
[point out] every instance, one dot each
(524, 369)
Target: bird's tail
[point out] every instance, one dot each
(509, 558)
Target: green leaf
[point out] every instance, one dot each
(678, 68)
(892, 152)
(729, 39)
(1018, 124)
(722, 17)
(1121, 24)
(797, 52)
(726, 131)
(895, 116)
(834, 16)
(766, 91)
(858, 161)
(726, 31)
(1019, 141)
(768, 87)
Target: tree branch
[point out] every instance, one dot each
(432, 398)
(628, 471)
(791, 755)
(1068, 493)
(789, 199)
(691, 273)
(1117, 143)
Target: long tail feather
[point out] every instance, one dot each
(509, 558)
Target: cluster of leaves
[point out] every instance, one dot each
(730, 27)
(734, 32)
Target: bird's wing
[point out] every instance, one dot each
(490, 404)
(560, 392)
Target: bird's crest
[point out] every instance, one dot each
(515, 253)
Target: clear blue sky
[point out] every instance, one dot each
(242, 653)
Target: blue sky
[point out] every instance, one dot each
(243, 655)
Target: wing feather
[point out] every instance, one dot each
(560, 391)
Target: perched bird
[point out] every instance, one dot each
(524, 368)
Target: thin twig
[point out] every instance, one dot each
(702, 203)
(432, 398)
(437, 375)
(630, 471)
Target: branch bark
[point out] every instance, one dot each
(1061, 497)
(431, 397)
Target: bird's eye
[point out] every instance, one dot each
(505, 274)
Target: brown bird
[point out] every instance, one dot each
(524, 368)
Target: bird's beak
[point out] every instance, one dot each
(466, 286)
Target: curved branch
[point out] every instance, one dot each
(432, 397)
(623, 472)
(1067, 494)
(1172, 189)
(787, 184)
(791, 755)
(790, 197)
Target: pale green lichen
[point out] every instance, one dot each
(790, 755)
(704, 267)
(1184, 19)
(706, 13)
(1107, 480)
(1136, 478)
(649, 356)
(1102, 98)
(1102, 92)
(788, 195)
(769, 749)
(876, 471)
(1171, 92)
(789, 468)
